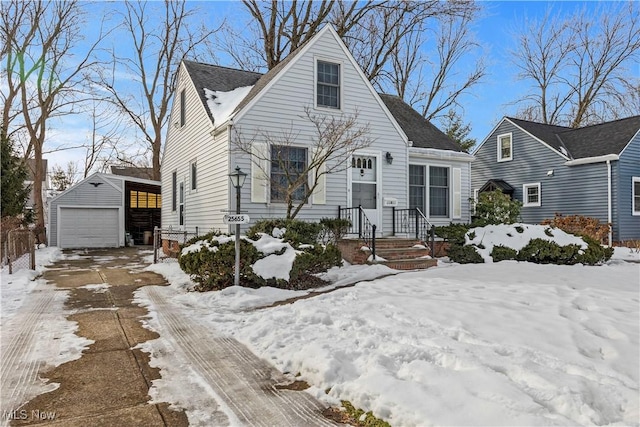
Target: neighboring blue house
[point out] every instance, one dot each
(592, 171)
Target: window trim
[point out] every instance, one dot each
(425, 171)
(449, 191)
(193, 175)
(499, 147)
(525, 195)
(315, 81)
(635, 210)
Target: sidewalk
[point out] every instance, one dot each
(109, 385)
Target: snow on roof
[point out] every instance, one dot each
(222, 104)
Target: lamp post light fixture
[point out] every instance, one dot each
(237, 179)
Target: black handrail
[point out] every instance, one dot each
(413, 222)
(360, 225)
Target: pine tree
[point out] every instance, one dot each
(456, 130)
(14, 172)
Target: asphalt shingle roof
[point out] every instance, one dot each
(590, 141)
(602, 139)
(217, 78)
(420, 131)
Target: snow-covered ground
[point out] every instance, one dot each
(491, 344)
(504, 343)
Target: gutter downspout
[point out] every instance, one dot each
(609, 209)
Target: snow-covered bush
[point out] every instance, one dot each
(581, 226)
(265, 260)
(495, 207)
(291, 230)
(525, 242)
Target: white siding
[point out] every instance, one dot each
(282, 108)
(187, 144)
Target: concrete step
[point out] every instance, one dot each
(395, 242)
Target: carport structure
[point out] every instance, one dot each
(100, 210)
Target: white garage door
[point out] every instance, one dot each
(88, 228)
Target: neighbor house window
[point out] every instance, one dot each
(635, 191)
(328, 85)
(183, 108)
(287, 165)
(531, 194)
(194, 169)
(438, 191)
(505, 147)
(174, 191)
(416, 187)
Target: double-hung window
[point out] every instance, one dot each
(531, 195)
(288, 166)
(416, 187)
(328, 84)
(505, 147)
(438, 191)
(635, 194)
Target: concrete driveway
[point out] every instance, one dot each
(109, 385)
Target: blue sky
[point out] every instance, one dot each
(487, 103)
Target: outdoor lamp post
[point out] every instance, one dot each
(237, 178)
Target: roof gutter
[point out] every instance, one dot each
(432, 153)
(589, 160)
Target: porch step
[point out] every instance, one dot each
(398, 253)
(411, 264)
(401, 253)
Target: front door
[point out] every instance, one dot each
(365, 186)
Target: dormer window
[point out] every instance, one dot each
(328, 84)
(505, 147)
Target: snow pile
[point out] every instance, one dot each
(516, 236)
(222, 104)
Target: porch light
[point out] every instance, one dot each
(237, 178)
(389, 158)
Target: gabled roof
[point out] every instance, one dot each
(217, 78)
(497, 184)
(419, 131)
(590, 141)
(223, 79)
(546, 133)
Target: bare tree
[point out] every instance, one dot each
(159, 45)
(436, 87)
(578, 66)
(386, 37)
(45, 75)
(335, 139)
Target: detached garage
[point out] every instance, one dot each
(100, 210)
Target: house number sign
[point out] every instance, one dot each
(236, 219)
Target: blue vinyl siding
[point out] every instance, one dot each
(571, 190)
(626, 225)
